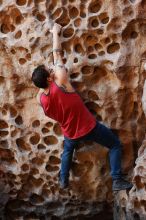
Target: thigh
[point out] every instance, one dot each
(70, 144)
(103, 135)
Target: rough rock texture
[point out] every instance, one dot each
(105, 52)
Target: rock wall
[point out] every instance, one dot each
(105, 52)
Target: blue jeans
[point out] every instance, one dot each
(101, 135)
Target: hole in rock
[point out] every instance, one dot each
(25, 167)
(104, 18)
(94, 23)
(37, 160)
(98, 46)
(57, 13)
(6, 107)
(112, 48)
(13, 112)
(75, 60)
(3, 133)
(134, 34)
(22, 145)
(55, 152)
(41, 147)
(54, 160)
(4, 112)
(79, 48)
(45, 130)
(35, 139)
(50, 140)
(92, 56)
(143, 3)
(87, 70)
(13, 51)
(68, 32)
(57, 129)
(73, 12)
(78, 85)
(36, 199)
(46, 193)
(100, 31)
(137, 204)
(136, 216)
(91, 39)
(13, 133)
(22, 61)
(35, 171)
(49, 124)
(99, 71)
(132, 1)
(64, 61)
(77, 22)
(143, 203)
(21, 2)
(40, 17)
(19, 120)
(50, 168)
(18, 34)
(129, 31)
(4, 144)
(12, 28)
(101, 53)
(18, 19)
(82, 14)
(3, 124)
(90, 49)
(64, 19)
(7, 155)
(74, 75)
(5, 29)
(107, 40)
(92, 95)
(36, 123)
(138, 183)
(128, 11)
(66, 46)
(94, 7)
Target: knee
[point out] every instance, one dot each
(67, 153)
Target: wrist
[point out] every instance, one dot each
(56, 33)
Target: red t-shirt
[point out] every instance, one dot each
(69, 110)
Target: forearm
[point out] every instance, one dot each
(57, 50)
(56, 41)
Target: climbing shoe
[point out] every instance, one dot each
(121, 184)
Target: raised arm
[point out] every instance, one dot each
(60, 71)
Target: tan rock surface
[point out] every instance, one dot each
(105, 52)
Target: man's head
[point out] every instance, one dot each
(41, 76)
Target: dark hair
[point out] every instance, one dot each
(39, 76)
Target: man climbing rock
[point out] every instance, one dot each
(61, 103)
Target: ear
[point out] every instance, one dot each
(49, 79)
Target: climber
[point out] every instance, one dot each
(61, 103)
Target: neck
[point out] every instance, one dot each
(46, 91)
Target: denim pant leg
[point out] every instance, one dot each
(104, 136)
(66, 158)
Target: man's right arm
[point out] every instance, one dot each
(60, 70)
